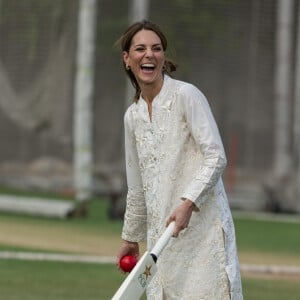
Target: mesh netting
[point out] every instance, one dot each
(36, 63)
(224, 47)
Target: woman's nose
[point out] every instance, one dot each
(149, 53)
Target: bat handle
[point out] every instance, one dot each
(163, 241)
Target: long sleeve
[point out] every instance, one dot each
(134, 228)
(204, 131)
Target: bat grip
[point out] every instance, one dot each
(163, 241)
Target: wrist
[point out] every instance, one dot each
(129, 242)
(189, 203)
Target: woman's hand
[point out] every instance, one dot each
(128, 248)
(181, 215)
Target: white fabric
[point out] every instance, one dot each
(180, 155)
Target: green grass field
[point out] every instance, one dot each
(258, 242)
(32, 280)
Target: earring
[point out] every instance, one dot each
(164, 67)
(127, 67)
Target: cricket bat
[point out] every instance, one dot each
(136, 282)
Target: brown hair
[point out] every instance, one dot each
(125, 42)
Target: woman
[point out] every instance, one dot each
(174, 162)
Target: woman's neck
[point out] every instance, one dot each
(150, 91)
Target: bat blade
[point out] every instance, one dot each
(135, 283)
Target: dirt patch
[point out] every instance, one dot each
(57, 238)
(282, 262)
(268, 259)
(52, 236)
(257, 275)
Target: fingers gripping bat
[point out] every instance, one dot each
(136, 282)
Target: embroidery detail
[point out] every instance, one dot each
(180, 154)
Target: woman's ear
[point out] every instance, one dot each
(125, 57)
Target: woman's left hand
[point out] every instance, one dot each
(181, 215)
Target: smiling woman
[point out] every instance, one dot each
(144, 46)
(174, 162)
(146, 57)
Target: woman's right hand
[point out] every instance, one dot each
(128, 248)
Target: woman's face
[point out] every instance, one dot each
(146, 57)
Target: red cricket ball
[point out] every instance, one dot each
(127, 263)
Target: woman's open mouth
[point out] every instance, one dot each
(147, 68)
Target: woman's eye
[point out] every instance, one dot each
(157, 49)
(139, 49)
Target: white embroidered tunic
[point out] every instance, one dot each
(179, 154)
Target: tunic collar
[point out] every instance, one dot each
(161, 94)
